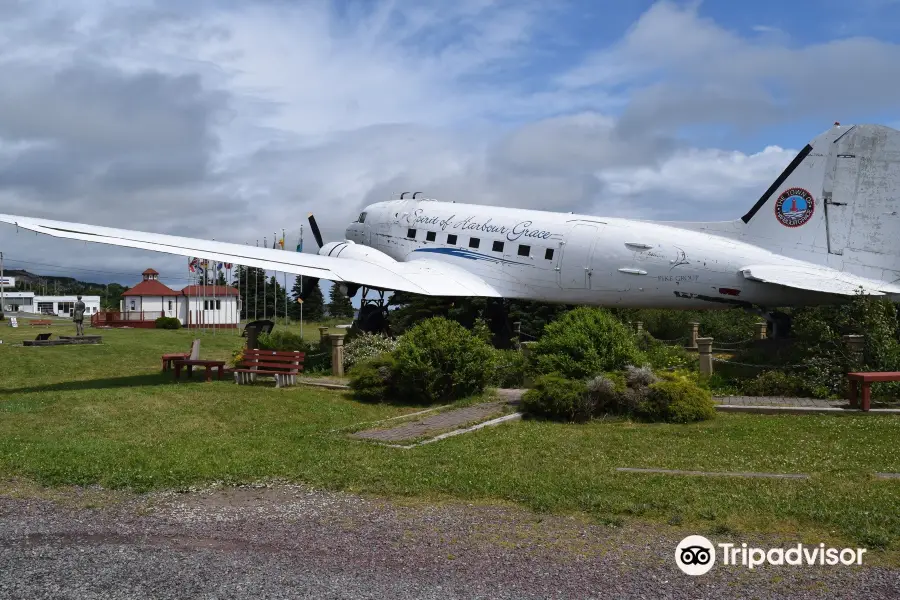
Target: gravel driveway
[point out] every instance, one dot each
(284, 541)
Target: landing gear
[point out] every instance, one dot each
(372, 314)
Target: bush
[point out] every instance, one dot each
(676, 399)
(168, 323)
(556, 397)
(373, 379)
(365, 346)
(509, 369)
(775, 383)
(440, 360)
(583, 342)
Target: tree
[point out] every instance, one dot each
(339, 305)
(313, 306)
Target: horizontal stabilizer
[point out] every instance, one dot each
(817, 279)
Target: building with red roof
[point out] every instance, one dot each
(194, 306)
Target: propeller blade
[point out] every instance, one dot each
(315, 230)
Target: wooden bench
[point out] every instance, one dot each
(283, 366)
(41, 322)
(865, 380)
(169, 359)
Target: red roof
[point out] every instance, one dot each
(150, 272)
(209, 290)
(150, 287)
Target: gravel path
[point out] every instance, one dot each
(286, 541)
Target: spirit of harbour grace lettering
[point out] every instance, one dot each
(513, 233)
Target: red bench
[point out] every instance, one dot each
(283, 366)
(865, 380)
(40, 322)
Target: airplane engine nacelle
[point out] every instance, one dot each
(349, 249)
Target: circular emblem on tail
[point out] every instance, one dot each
(794, 207)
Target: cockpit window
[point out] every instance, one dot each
(362, 218)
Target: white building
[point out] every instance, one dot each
(195, 305)
(61, 306)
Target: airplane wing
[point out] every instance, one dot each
(817, 279)
(426, 277)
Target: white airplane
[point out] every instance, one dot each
(826, 229)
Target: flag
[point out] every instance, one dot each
(274, 241)
(300, 243)
(220, 266)
(192, 264)
(228, 266)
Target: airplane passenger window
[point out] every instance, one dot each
(362, 217)
(524, 250)
(411, 233)
(451, 239)
(474, 242)
(498, 247)
(430, 236)
(548, 254)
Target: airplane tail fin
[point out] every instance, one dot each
(837, 204)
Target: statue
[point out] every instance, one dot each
(78, 317)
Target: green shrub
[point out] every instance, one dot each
(676, 399)
(168, 323)
(583, 342)
(373, 379)
(509, 369)
(365, 346)
(440, 360)
(775, 383)
(556, 397)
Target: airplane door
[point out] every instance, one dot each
(839, 202)
(575, 265)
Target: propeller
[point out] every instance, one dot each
(313, 281)
(315, 230)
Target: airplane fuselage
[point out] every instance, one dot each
(576, 259)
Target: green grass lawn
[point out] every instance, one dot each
(106, 414)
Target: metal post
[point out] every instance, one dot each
(705, 350)
(639, 327)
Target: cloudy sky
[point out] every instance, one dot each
(233, 119)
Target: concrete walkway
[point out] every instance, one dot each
(445, 420)
(787, 405)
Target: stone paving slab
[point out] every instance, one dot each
(779, 401)
(442, 421)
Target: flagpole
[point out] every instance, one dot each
(284, 278)
(300, 249)
(256, 291)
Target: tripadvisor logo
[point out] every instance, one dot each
(696, 555)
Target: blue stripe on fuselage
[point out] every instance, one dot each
(463, 253)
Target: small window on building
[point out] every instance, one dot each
(170, 305)
(497, 247)
(524, 250)
(206, 305)
(548, 254)
(430, 236)
(451, 239)
(474, 242)
(411, 234)
(132, 305)
(218, 305)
